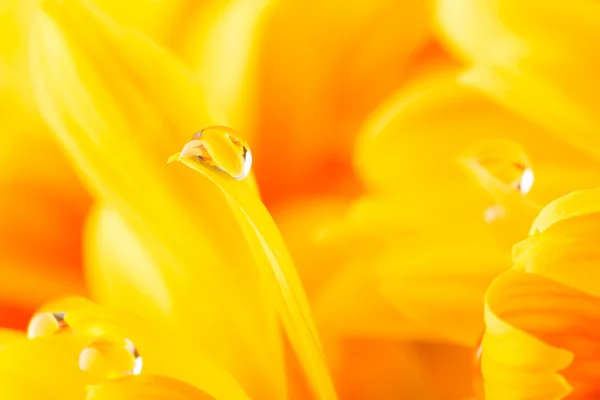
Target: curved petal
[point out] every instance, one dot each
(524, 313)
(575, 204)
(149, 387)
(550, 295)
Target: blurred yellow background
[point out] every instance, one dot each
(401, 147)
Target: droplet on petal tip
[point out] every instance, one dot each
(109, 357)
(46, 324)
(218, 148)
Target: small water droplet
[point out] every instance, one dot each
(109, 357)
(506, 161)
(494, 213)
(219, 148)
(46, 324)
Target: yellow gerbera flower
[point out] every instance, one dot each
(541, 341)
(200, 232)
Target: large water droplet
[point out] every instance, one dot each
(46, 324)
(507, 162)
(108, 357)
(219, 148)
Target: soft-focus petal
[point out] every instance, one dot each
(119, 271)
(42, 210)
(319, 76)
(8, 335)
(442, 119)
(42, 368)
(535, 57)
(221, 47)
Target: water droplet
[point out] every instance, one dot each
(219, 148)
(46, 324)
(506, 161)
(109, 357)
(494, 213)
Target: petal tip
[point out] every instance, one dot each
(173, 158)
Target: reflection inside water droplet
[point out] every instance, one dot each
(219, 148)
(46, 324)
(507, 162)
(108, 357)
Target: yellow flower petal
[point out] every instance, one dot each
(439, 285)
(551, 295)
(443, 119)
(525, 312)
(8, 335)
(221, 47)
(513, 43)
(575, 204)
(119, 270)
(148, 387)
(42, 368)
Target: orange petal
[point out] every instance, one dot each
(314, 93)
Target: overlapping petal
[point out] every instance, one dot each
(541, 341)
